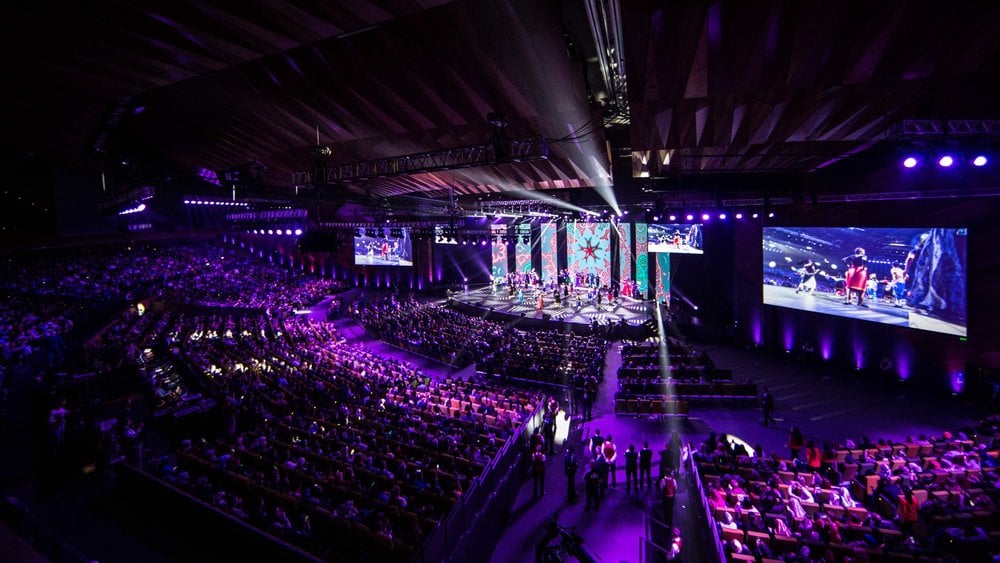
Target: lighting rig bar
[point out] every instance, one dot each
(499, 152)
(912, 128)
(278, 214)
(130, 198)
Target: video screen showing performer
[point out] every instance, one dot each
(676, 238)
(912, 277)
(383, 247)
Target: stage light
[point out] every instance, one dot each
(946, 161)
(288, 232)
(656, 217)
(980, 160)
(722, 216)
(690, 217)
(910, 162)
(270, 231)
(673, 217)
(142, 207)
(755, 215)
(739, 215)
(770, 215)
(298, 232)
(705, 216)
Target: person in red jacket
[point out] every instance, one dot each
(814, 456)
(906, 511)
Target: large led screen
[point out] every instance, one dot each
(912, 277)
(383, 247)
(676, 238)
(588, 252)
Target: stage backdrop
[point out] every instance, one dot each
(588, 249)
(499, 263)
(642, 258)
(624, 251)
(522, 250)
(663, 279)
(547, 242)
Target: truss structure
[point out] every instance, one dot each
(499, 152)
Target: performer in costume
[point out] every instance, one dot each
(856, 277)
(807, 280)
(871, 287)
(898, 283)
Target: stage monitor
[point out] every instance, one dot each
(911, 277)
(676, 238)
(383, 246)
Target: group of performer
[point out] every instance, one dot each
(858, 283)
(385, 249)
(528, 287)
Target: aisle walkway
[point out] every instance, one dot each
(826, 403)
(613, 532)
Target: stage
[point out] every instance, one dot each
(631, 312)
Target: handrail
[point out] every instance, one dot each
(507, 454)
(720, 554)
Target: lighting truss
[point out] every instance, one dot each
(516, 150)
(911, 128)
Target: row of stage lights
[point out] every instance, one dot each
(392, 232)
(721, 216)
(275, 232)
(216, 202)
(137, 209)
(945, 160)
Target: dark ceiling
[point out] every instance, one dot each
(735, 86)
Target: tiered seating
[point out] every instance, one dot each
(687, 377)
(646, 406)
(546, 356)
(500, 350)
(429, 330)
(773, 508)
(327, 423)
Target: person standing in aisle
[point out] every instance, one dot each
(570, 465)
(646, 465)
(538, 473)
(631, 469)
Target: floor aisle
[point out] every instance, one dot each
(826, 403)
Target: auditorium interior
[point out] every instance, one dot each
(505, 280)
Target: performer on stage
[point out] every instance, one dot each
(898, 283)
(807, 280)
(541, 302)
(856, 277)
